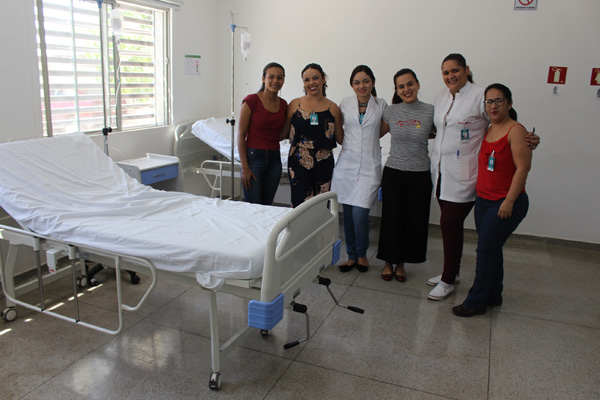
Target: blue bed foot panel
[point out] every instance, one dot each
(264, 315)
(337, 250)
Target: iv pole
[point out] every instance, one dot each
(232, 119)
(105, 72)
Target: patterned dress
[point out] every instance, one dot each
(310, 162)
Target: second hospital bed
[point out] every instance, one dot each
(72, 201)
(205, 147)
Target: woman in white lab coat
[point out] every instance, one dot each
(357, 174)
(461, 124)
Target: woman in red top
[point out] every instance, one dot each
(501, 203)
(261, 118)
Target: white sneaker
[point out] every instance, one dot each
(439, 292)
(436, 279)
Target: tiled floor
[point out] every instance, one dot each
(543, 343)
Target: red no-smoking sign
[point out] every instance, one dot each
(525, 4)
(557, 75)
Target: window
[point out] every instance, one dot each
(93, 79)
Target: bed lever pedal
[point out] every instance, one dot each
(292, 344)
(356, 309)
(299, 308)
(302, 309)
(326, 282)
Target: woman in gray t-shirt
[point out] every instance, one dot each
(406, 181)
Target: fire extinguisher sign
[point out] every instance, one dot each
(557, 75)
(595, 77)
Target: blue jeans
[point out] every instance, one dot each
(493, 233)
(266, 167)
(356, 230)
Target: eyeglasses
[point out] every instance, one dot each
(499, 101)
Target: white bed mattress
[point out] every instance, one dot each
(216, 133)
(66, 188)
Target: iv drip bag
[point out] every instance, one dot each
(245, 44)
(116, 22)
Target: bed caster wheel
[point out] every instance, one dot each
(9, 314)
(215, 381)
(264, 332)
(93, 282)
(82, 281)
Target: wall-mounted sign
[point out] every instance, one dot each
(595, 81)
(557, 75)
(192, 64)
(525, 4)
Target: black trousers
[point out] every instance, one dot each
(404, 216)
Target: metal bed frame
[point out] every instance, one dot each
(299, 247)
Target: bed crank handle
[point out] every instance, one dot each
(326, 282)
(302, 309)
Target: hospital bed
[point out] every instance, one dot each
(73, 202)
(204, 147)
(216, 132)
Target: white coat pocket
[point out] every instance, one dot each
(467, 167)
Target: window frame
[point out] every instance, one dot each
(111, 92)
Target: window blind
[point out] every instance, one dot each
(76, 85)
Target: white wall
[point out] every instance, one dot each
(500, 44)
(195, 29)
(20, 102)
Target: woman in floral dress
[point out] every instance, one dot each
(314, 125)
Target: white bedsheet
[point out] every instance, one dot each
(66, 188)
(216, 133)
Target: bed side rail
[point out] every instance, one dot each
(186, 146)
(74, 251)
(300, 246)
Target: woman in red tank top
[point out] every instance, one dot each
(501, 203)
(262, 116)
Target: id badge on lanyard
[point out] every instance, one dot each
(464, 135)
(314, 119)
(491, 162)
